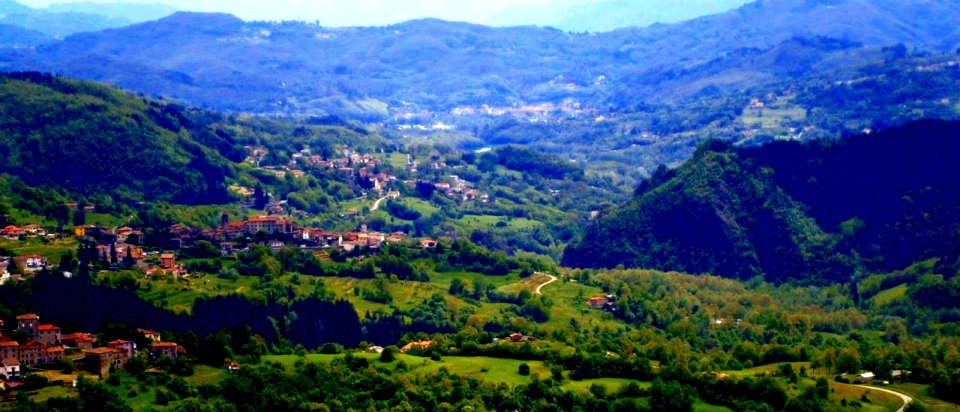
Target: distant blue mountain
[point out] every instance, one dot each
(130, 12)
(61, 20)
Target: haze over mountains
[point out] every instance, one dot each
(606, 15)
(64, 19)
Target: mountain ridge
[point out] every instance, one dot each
(813, 212)
(503, 65)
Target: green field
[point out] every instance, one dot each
(879, 401)
(206, 375)
(179, 295)
(488, 221)
(495, 370)
(613, 385)
(52, 250)
(890, 295)
(769, 118)
(701, 406)
(921, 393)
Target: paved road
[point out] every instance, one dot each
(376, 205)
(906, 399)
(552, 279)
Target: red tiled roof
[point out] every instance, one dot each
(163, 345)
(10, 229)
(78, 336)
(100, 351)
(55, 348)
(28, 316)
(9, 342)
(263, 219)
(118, 342)
(47, 328)
(33, 344)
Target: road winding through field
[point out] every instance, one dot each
(376, 205)
(552, 279)
(906, 399)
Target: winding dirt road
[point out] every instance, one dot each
(376, 205)
(552, 279)
(906, 399)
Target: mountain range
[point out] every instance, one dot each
(222, 62)
(63, 19)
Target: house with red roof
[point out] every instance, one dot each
(33, 353)
(53, 354)
(10, 368)
(9, 348)
(28, 322)
(271, 225)
(164, 349)
(101, 361)
(12, 232)
(149, 334)
(128, 348)
(48, 334)
(79, 340)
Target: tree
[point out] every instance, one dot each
(425, 190)
(202, 249)
(68, 263)
(848, 361)
(457, 288)
(387, 355)
(96, 397)
(13, 267)
(80, 216)
(260, 198)
(524, 369)
(557, 372)
(671, 396)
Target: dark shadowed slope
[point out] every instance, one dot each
(811, 212)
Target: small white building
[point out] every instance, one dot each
(10, 369)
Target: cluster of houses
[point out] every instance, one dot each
(14, 232)
(282, 231)
(459, 188)
(16, 267)
(47, 346)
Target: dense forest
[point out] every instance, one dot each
(815, 212)
(88, 140)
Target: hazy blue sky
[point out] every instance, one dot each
(382, 12)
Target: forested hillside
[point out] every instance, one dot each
(813, 212)
(88, 140)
